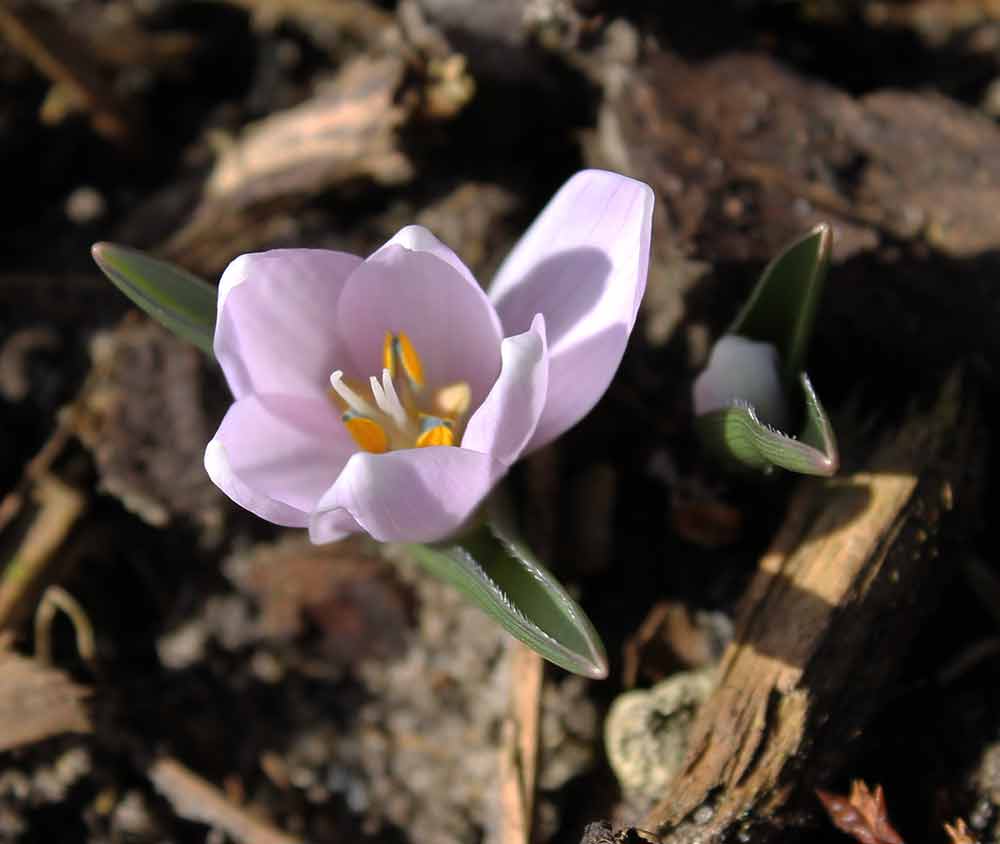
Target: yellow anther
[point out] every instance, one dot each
(453, 400)
(403, 349)
(367, 433)
(388, 355)
(434, 431)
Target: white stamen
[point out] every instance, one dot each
(390, 402)
(353, 400)
(377, 393)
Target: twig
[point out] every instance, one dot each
(632, 651)
(196, 799)
(56, 598)
(60, 507)
(519, 746)
(521, 731)
(37, 467)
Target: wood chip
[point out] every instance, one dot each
(196, 799)
(37, 702)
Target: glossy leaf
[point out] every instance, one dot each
(174, 297)
(736, 434)
(504, 579)
(781, 309)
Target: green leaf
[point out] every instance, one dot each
(736, 434)
(172, 296)
(503, 578)
(782, 307)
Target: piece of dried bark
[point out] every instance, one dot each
(37, 702)
(346, 131)
(862, 814)
(824, 623)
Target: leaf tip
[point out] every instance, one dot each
(598, 669)
(99, 252)
(104, 254)
(825, 232)
(827, 465)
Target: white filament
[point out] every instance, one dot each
(353, 400)
(387, 399)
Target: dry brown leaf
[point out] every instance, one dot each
(959, 833)
(862, 814)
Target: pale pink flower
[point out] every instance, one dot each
(390, 394)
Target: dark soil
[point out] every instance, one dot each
(336, 693)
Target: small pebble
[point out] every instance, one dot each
(85, 205)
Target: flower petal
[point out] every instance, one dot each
(420, 239)
(582, 264)
(412, 495)
(276, 455)
(447, 316)
(505, 421)
(275, 331)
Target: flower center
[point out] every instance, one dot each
(399, 411)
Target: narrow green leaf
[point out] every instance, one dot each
(504, 579)
(172, 296)
(782, 307)
(738, 435)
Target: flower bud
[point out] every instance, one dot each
(742, 371)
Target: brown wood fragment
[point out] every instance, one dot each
(37, 702)
(346, 131)
(519, 746)
(825, 621)
(196, 799)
